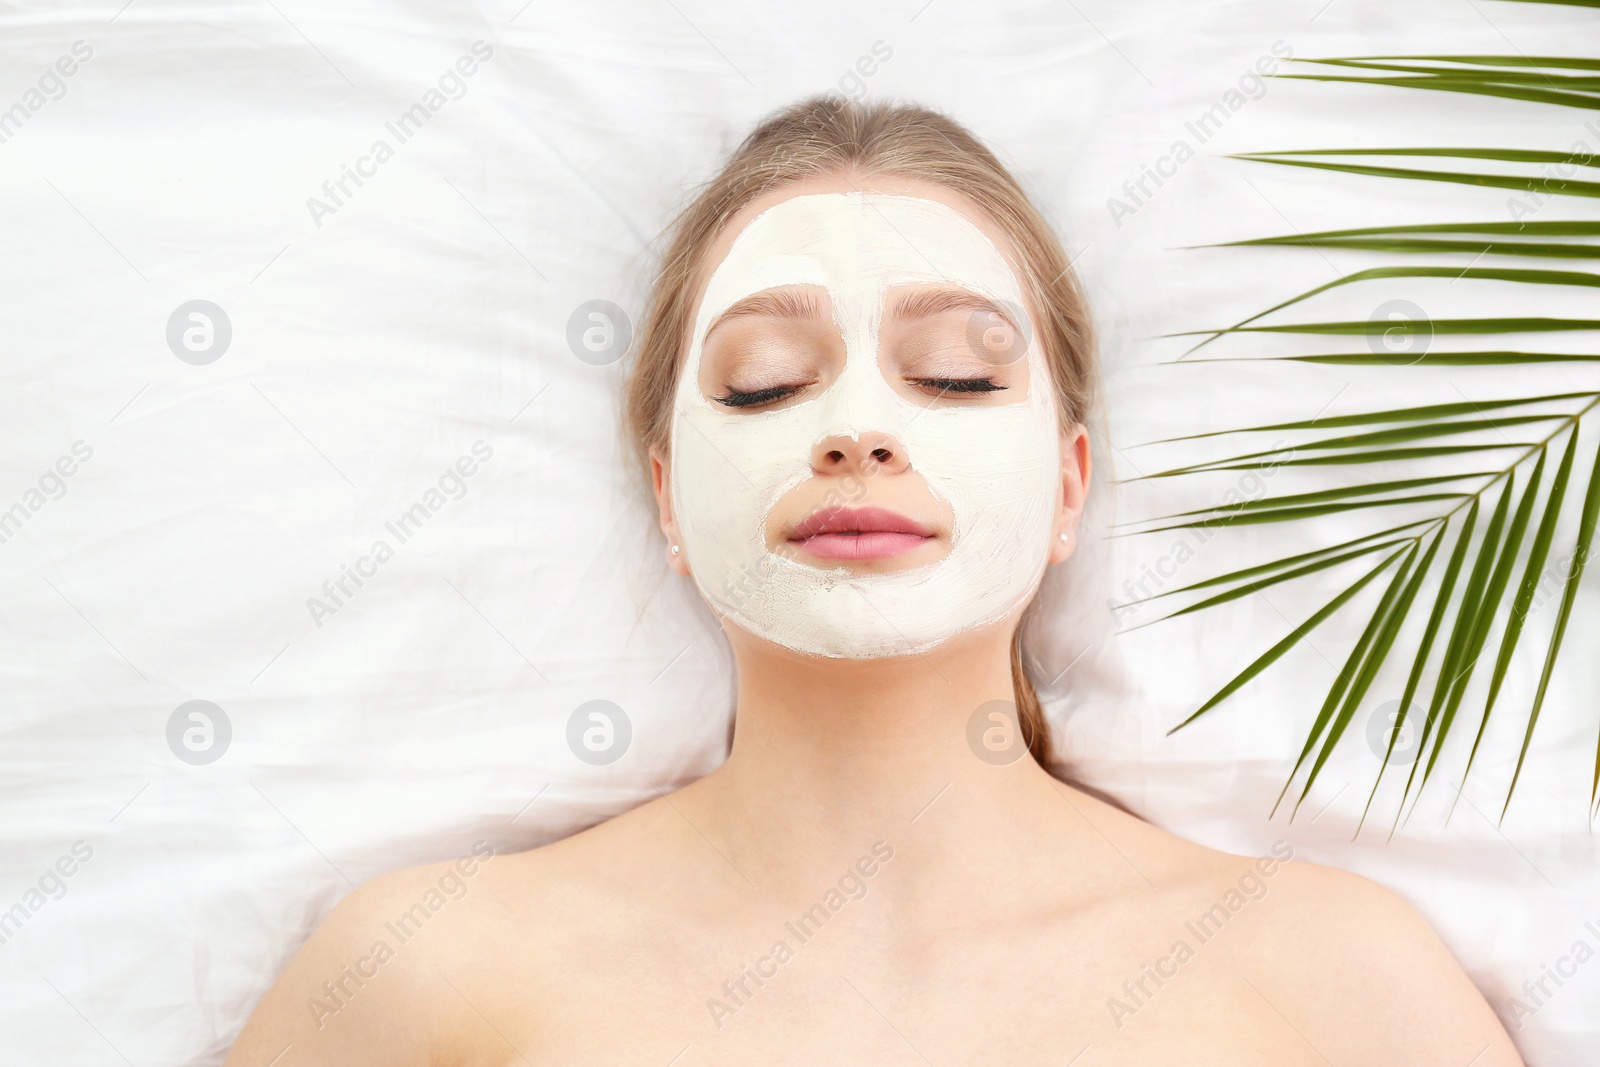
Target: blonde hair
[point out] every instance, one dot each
(827, 135)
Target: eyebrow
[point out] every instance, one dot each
(803, 304)
(925, 303)
(773, 303)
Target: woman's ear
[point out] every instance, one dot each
(661, 483)
(1075, 473)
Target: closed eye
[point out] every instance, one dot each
(736, 399)
(960, 385)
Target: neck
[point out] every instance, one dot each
(830, 756)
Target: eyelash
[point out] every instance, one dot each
(735, 399)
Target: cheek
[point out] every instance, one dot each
(987, 455)
(1000, 469)
(728, 471)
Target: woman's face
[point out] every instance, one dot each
(865, 452)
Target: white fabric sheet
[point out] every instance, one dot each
(376, 339)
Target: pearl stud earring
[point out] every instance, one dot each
(674, 550)
(1063, 536)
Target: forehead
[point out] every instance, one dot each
(856, 244)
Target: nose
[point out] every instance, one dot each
(873, 452)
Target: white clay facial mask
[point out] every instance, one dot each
(989, 464)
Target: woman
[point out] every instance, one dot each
(861, 397)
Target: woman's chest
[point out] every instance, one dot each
(800, 999)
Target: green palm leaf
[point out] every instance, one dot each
(1497, 586)
(1521, 183)
(1375, 455)
(1425, 645)
(1537, 228)
(1369, 328)
(1285, 563)
(1352, 681)
(1577, 83)
(1580, 556)
(1442, 708)
(1367, 418)
(1325, 495)
(1570, 62)
(1507, 155)
(1266, 659)
(1463, 603)
(1430, 359)
(1485, 86)
(1420, 245)
(1504, 274)
(1530, 582)
(1264, 583)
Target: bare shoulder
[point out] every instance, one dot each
(1365, 970)
(364, 988)
(407, 963)
(1347, 962)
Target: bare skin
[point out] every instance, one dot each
(932, 907)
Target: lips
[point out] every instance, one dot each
(858, 533)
